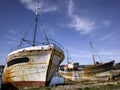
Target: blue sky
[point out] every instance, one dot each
(73, 23)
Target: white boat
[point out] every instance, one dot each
(34, 66)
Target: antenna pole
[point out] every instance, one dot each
(92, 52)
(36, 21)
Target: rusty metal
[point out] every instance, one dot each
(38, 71)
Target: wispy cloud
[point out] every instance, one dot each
(71, 8)
(85, 56)
(11, 37)
(84, 26)
(2, 58)
(80, 56)
(106, 23)
(110, 55)
(30, 4)
(108, 36)
(112, 52)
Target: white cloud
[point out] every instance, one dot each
(85, 56)
(112, 52)
(70, 8)
(109, 36)
(110, 55)
(2, 58)
(82, 25)
(13, 32)
(52, 8)
(78, 53)
(30, 4)
(107, 23)
(12, 37)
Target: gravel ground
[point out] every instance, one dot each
(88, 86)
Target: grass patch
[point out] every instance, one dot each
(103, 87)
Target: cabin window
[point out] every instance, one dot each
(18, 60)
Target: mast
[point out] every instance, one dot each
(33, 41)
(36, 21)
(92, 52)
(67, 57)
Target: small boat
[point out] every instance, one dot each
(97, 71)
(32, 66)
(70, 71)
(97, 67)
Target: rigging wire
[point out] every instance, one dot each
(24, 35)
(43, 29)
(94, 55)
(33, 43)
(69, 57)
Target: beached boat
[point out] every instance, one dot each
(33, 66)
(97, 71)
(97, 67)
(70, 71)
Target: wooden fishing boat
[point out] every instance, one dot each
(97, 71)
(98, 68)
(32, 66)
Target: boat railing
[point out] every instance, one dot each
(56, 44)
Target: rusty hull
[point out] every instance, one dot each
(35, 73)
